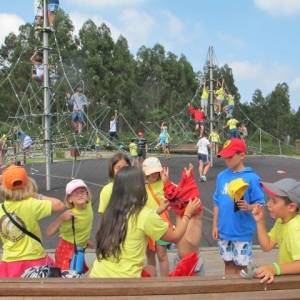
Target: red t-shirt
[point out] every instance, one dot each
(197, 114)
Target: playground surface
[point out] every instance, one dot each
(95, 173)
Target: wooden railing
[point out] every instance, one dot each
(179, 288)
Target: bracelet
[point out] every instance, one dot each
(189, 217)
(277, 268)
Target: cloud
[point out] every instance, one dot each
(137, 26)
(106, 3)
(79, 19)
(231, 40)
(279, 7)
(295, 85)
(9, 23)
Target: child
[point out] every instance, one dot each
(199, 117)
(97, 145)
(179, 197)
(232, 125)
(121, 240)
(203, 146)
(52, 10)
(133, 150)
(220, 95)
(24, 206)
(235, 229)
(25, 141)
(215, 141)
(283, 205)
(156, 201)
(78, 201)
(230, 106)
(38, 67)
(204, 99)
(113, 126)
(163, 140)
(116, 163)
(142, 147)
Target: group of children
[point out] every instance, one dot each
(135, 223)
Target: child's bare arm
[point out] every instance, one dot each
(54, 226)
(215, 232)
(264, 240)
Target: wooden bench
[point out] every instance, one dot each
(183, 148)
(180, 288)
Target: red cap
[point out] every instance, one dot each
(232, 147)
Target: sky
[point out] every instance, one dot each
(258, 39)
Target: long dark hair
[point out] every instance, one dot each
(116, 158)
(128, 198)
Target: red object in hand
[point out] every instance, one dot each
(180, 195)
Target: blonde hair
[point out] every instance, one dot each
(71, 205)
(20, 194)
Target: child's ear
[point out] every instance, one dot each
(293, 207)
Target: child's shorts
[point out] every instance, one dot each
(203, 157)
(238, 252)
(53, 5)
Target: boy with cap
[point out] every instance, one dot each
(233, 224)
(283, 205)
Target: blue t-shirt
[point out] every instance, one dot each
(240, 225)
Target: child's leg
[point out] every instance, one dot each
(151, 257)
(200, 168)
(163, 260)
(231, 268)
(201, 130)
(206, 168)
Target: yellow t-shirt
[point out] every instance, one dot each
(232, 123)
(158, 190)
(205, 94)
(230, 100)
(220, 93)
(105, 197)
(214, 137)
(287, 237)
(133, 149)
(97, 141)
(83, 226)
(133, 253)
(16, 244)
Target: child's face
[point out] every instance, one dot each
(79, 197)
(153, 177)
(278, 208)
(119, 165)
(234, 161)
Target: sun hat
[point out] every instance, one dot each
(151, 165)
(73, 185)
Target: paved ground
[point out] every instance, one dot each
(95, 173)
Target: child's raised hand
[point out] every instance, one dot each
(258, 213)
(67, 215)
(192, 206)
(164, 174)
(265, 273)
(189, 170)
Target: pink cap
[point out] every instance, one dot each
(73, 185)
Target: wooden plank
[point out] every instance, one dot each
(139, 287)
(266, 295)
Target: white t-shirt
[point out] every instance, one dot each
(113, 125)
(203, 146)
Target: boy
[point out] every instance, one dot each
(199, 117)
(232, 125)
(283, 205)
(142, 147)
(203, 145)
(235, 229)
(204, 99)
(133, 150)
(98, 145)
(215, 141)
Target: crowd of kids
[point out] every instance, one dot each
(135, 224)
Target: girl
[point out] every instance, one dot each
(78, 200)
(22, 206)
(156, 201)
(116, 163)
(121, 240)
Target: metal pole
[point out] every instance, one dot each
(211, 96)
(260, 144)
(47, 116)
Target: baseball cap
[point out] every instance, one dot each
(14, 178)
(151, 165)
(232, 147)
(286, 187)
(237, 188)
(73, 185)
